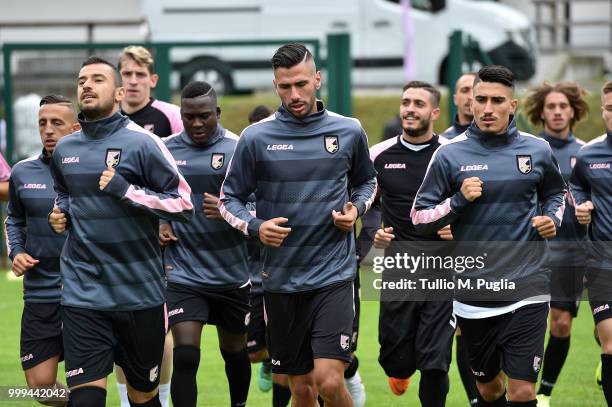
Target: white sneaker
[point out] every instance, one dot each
(356, 389)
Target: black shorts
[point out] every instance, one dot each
(41, 333)
(415, 335)
(309, 325)
(256, 338)
(512, 342)
(229, 310)
(134, 340)
(566, 287)
(601, 310)
(357, 306)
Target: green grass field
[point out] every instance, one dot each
(575, 387)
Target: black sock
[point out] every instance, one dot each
(321, 402)
(433, 388)
(530, 403)
(89, 396)
(184, 387)
(351, 369)
(280, 395)
(554, 358)
(154, 402)
(465, 372)
(238, 372)
(500, 402)
(606, 377)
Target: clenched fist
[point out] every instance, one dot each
(346, 219)
(57, 220)
(22, 263)
(583, 212)
(383, 237)
(471, 188)
(545, 226)
(106, 177)
(271, 234)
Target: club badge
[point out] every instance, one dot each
(523, 163)
(216, 160)
(331, 144)
(113, 157)
(572, 161)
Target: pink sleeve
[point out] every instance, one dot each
(172, 112)
(5, 169)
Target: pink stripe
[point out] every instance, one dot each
(172, 112)
(570, 198)
(368, 203)
(165, 318)
(377, 149)
(5, 169)
(152, 201)
(431, 215)
(8, 246)
(266, 314)
(559, 213)
(234, 221)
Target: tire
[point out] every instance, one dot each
(211, 70)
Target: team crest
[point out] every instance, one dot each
(537, 363)
(572, 161)
(523, 162)
(216, 160)
(331, 144)
(153, 373)
(113, 156)
(345, 342)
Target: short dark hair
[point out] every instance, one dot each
(258, 113)
(289, 55)
(196, 89)
(496, 74)
(92, 60)
(54, 99)
(435, 93)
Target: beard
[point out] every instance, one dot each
(100, 111)
(418, 131)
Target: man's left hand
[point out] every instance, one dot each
(545, 226)
(345, 220)
(106, 177)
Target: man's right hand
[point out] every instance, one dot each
(22, 263)
(271, 234)
(57, 220)
(166, 235)
(471, 188)
(583, 212)
(383, 237)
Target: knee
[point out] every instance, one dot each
(606, 347)
(492, 390)
(330, 385)
(561, 327)
(41, 381)
(303, 391)
(258, 356)
(524, 391)
(144, 399)
(186, 358)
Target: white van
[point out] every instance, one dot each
(376, 29)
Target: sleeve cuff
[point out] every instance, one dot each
(458, 202)
(253, 228)
(15, 251)
(117, 186)
(361, 208)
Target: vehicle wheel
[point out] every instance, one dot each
(213, 71)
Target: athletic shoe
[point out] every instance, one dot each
(543, 400)
(598, 376)
(399, 386)
(355, 387)
(264, 378)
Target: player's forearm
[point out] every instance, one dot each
(363, 196)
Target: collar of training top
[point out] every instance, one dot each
(494, 140)
(102, 128)
(217, 136)
(557, 142)
(46, 159)
(285, 116)
(459, 128)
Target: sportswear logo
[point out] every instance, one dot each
(113, 156)
(74, 372)
(275, 362)
(27, 357)
(400, 166)
(601, 308)
(475, 167)
(276, 147)
(572, 161)
(599, 166)
(153, 373)
(523, 163)
(247, 319)
(537, 363)
(216, 160)
(331, 144)
(181, 162)
(70, 160)
(34, 186)
(252, 343)
(175, 312)
(479, 374)
(345, 342)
